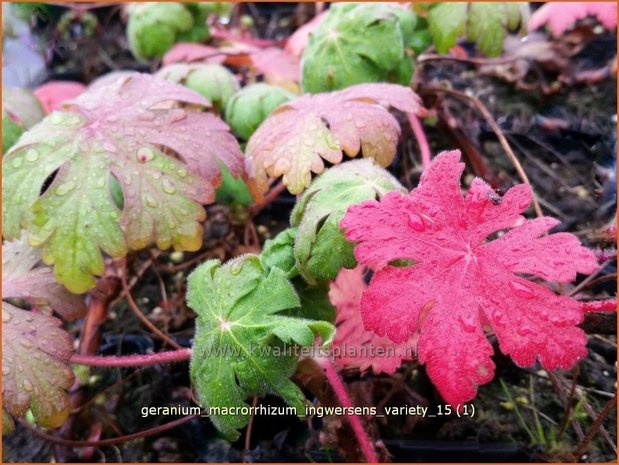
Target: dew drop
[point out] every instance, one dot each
(145, 154)
(416, 222)
(521, 290)
(17, 161)
(171, 223)
(147, 116)
(6, 371)
(282, 165)
(6, 317)
(114, 215)
(100, 183)
(236, 267)
(28, 386)
(27, 343)
(178, 115)
(168, 186)
(56, 118)
(156, 175)
(182, 172)
(151, 202)
(127, 179)
(32, 155)
(65, 187)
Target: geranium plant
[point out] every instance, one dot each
(428, 260)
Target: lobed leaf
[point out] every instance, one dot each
(35, 351)
(354, 346)
(462, 282)
(487, 24)
(126, 132)
(23, 278)
(320, 248)
(357, 43)
(293, 141)
(244, 340)
(561, 16)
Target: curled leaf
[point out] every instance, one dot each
(320, 248)
(35, 351)
(35, 374)
(293, 141)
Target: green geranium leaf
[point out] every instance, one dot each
(486, 24)
(116, 132)
(358, 43)
(249, 107)
(154, 27)
(320, 248)
(244, 342)
(279, 252)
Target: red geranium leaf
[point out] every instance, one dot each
(461, 281)
(54, 93)
(354, 346)
(35, 351)
(24, 277)
(293, 141)
(561, 16)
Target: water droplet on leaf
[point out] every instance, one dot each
(168, 186)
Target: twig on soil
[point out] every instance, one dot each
(132, 361)
(497, 131)
(585, 282)
(596, 426)
(107, 442)
(136, 310)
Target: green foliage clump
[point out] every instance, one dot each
(359, 43)
(154, 27)
(486, 24)
(250, 106)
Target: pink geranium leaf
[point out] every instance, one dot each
(295, 139)
(354, 346)
(561, 16)
(54, 93)
(189, 52)
(460, 282)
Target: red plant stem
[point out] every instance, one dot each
(342, 395)
(422, 140)
(268, 198)
(111, 441)
(608, 305)
(129, 361)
